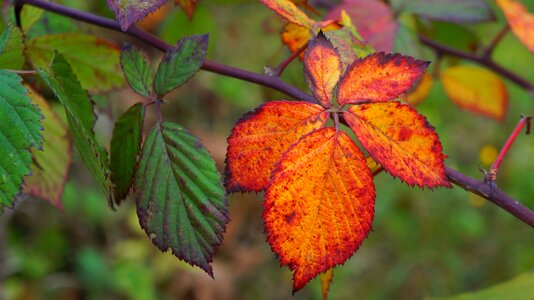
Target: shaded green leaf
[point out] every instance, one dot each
(20, 128)
(180, 63)
(125, 146)
(136, 68)
(518, 288)
(29, 16)
(95, 61)
(131, 11)
(81, 119)
(181, 203)
(406, 40)
(4, 37)
(457, 11)
(51, 164)
(13, 55)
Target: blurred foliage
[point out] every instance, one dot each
(424, 243)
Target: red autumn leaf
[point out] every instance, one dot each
(289, 11)
(520, 20)
(322, 68)
(379, 77)
(261, 136)
(401, 140)
(319, 204)
(374, 20)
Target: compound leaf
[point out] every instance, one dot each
(261, 136)
(379, 77)
(81, 119)
(319, 204)
(180, 63)
(136, 69)
(181, 203)
(51, 164)
(477, 90)
(20, 129)
(401, 140)
(128, 12)
(125, 147)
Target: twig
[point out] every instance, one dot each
(496, 40)
(524, 121)
(444, 49)
(481, 188)
(23, 72)
(282, 66)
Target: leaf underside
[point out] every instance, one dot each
(128, 12)
(51, 164)
(181, 203)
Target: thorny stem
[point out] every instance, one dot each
(478, 187)
(282, 66)
(496, 40)
(524, 121)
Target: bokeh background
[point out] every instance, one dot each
(424, 243)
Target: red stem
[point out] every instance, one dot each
(496, 40)
(522, 122)
(282, 66)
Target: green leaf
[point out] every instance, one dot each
(457, 11)
(81, 119)
(180, 63)
(13, 55)
(136, 68)
(20, 128)
(125, 146)
(29, 16)
(181, 203)
(4, 37)
(406, 40)
(518, 288)
(51, 164)
(95, 61)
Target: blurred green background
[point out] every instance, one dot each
(423, 244)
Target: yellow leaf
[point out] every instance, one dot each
(477, 90)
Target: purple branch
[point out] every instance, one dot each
(484, 61)
(478, 187)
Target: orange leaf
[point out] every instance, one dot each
(322, 67)
(326, 282)
(379, 77)
(319, 204)
(261, 136)
(289, 11)
(295, 36)
(421, 91)
(401, 140)
(520, 20)
(477, 90)
(188, 6)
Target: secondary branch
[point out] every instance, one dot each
(481, 188)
